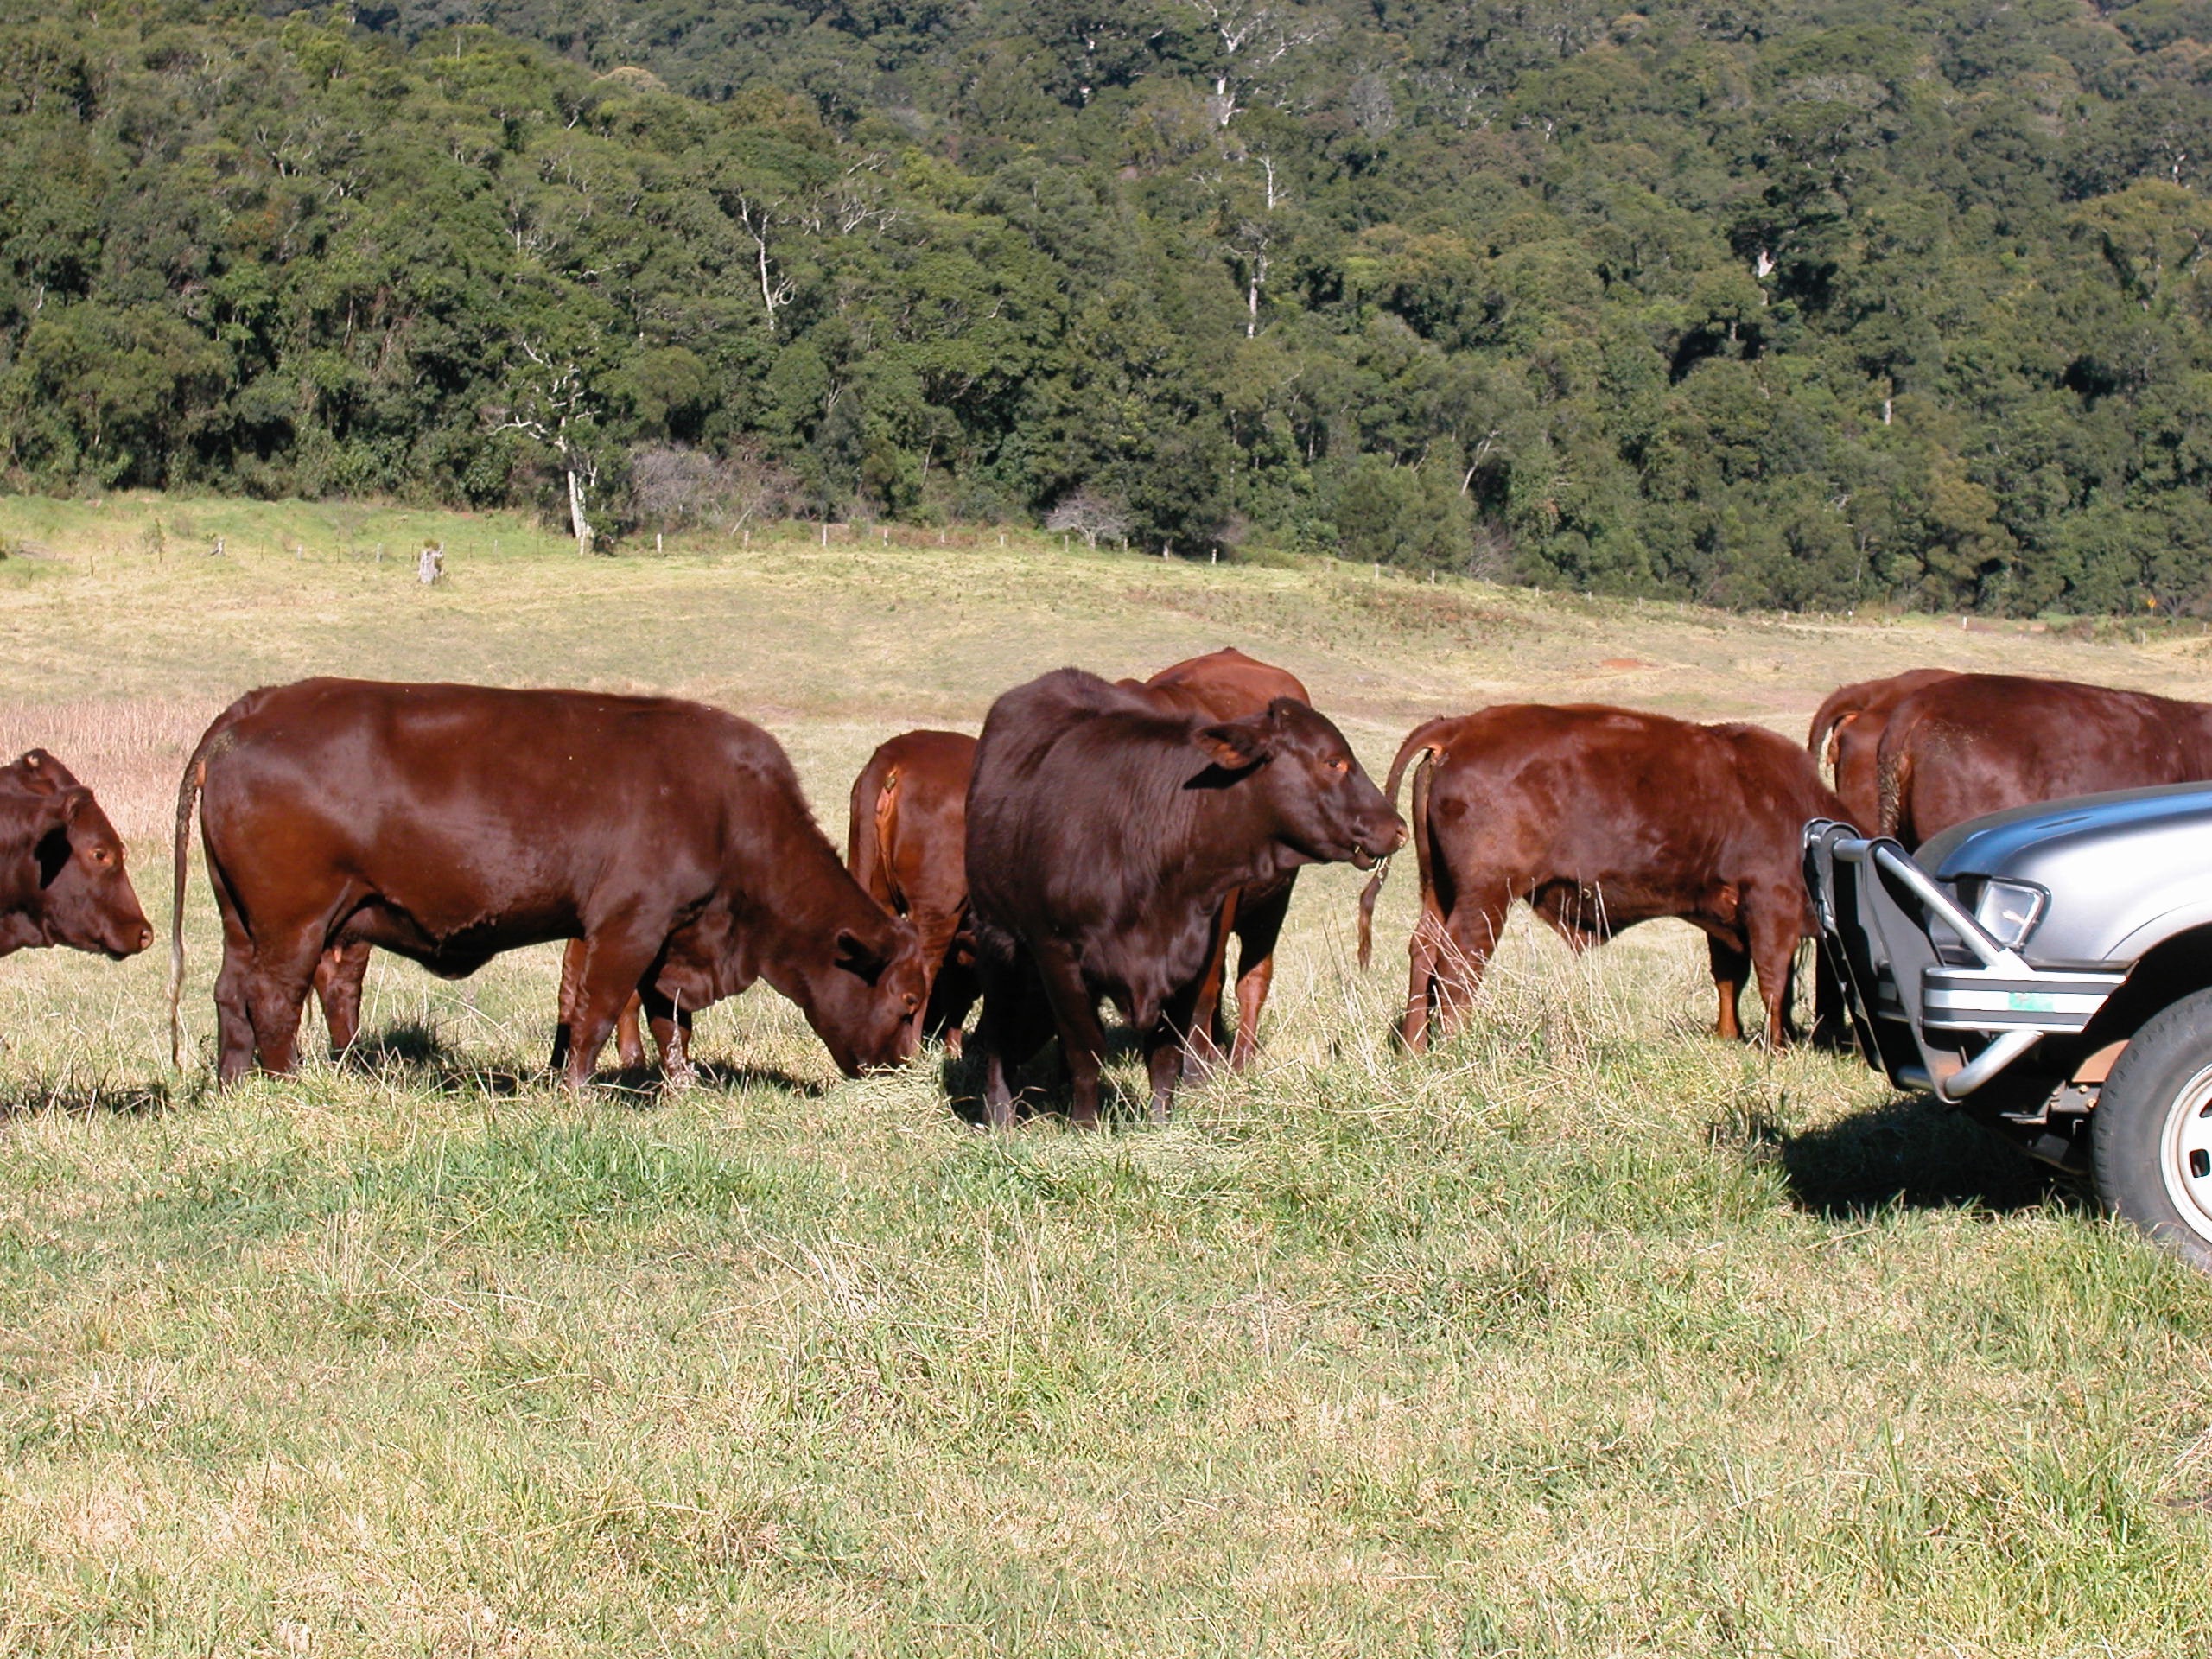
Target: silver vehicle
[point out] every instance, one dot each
(2049, 968)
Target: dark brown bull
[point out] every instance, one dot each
(1847, 733)
(906, 844)
(62, 875)
(1981, 743)
(339, 971)
(1103, 835)
(1601, 818)
(451, 822)
(1222, 685)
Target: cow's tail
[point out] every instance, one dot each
(1838, 712)
(868, 820)
(187, 796)
(1425, 741)
(1894, 783)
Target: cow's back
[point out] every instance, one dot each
(458, 802)
(1615, 799)
(1222, 685)
(1981, 743)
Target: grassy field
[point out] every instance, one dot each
(1585, 1334)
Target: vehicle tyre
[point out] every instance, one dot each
(2150, 1137)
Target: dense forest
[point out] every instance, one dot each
(1810, 304)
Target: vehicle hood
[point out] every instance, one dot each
(2124, 870)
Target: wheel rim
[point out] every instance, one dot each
(2185, 1153)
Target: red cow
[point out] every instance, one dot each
(1104, 835)
(1602, 818)
(1847, 733)
(1222, 685)
(1979, 743)
(906, 844)
(451, 822)
(62, 879)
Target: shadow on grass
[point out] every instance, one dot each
(1915, 1154)
(415, 1053)
(103, 1098)
(1042, 1087)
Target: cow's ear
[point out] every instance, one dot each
(42, 773)
(1234, 745)
(50, 830)
(860, 958)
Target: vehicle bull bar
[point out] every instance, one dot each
(1918, 1016)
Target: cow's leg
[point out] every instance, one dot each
(1164, 1044)
(276, 989)
(616, 956)
(1731, 966)
(1207, 1044)
(1003, 1031)
(338, 972)
(1774, 925)
(1259, 925)
(630, 1045)
(671, 1029)
(565, 1014)
(1462, 953)
(935, 934)
(1083, 1039)
(1421, 984)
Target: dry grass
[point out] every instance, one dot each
(1585, 1334)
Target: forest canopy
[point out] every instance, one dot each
(1808, 304)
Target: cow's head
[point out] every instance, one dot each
(1326, 808)
(70, 870)
(866, 1006)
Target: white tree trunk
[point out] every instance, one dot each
(579, 526)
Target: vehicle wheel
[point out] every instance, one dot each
(2150, 1139)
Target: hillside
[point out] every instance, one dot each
(1816, 305)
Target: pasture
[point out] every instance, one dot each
(1583, 1334)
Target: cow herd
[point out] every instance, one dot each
(1101, 842)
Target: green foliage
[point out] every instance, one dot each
(1905, 307)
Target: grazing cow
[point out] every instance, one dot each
(1222, 685)
(339, 970)
(62, 879)
(906, 844)
(1979, 743)
(1601, 818)
(1847, 734)
(451, 822)
(1103, 835)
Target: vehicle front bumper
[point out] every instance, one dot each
(1922, 1015)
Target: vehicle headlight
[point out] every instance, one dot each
(2008, 911)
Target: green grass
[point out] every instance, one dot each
(1585, 1334)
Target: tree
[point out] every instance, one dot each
(1090, 514)
(552, 405)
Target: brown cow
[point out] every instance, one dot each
(1980, 743)
(1222, 685)
(1847, 733)
(451, 822)
(1602, 818)
(1103, 835)
(339, 973)
(906, 844)
(62, 879)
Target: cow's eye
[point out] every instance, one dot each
(1341, 763)
(101, 855)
